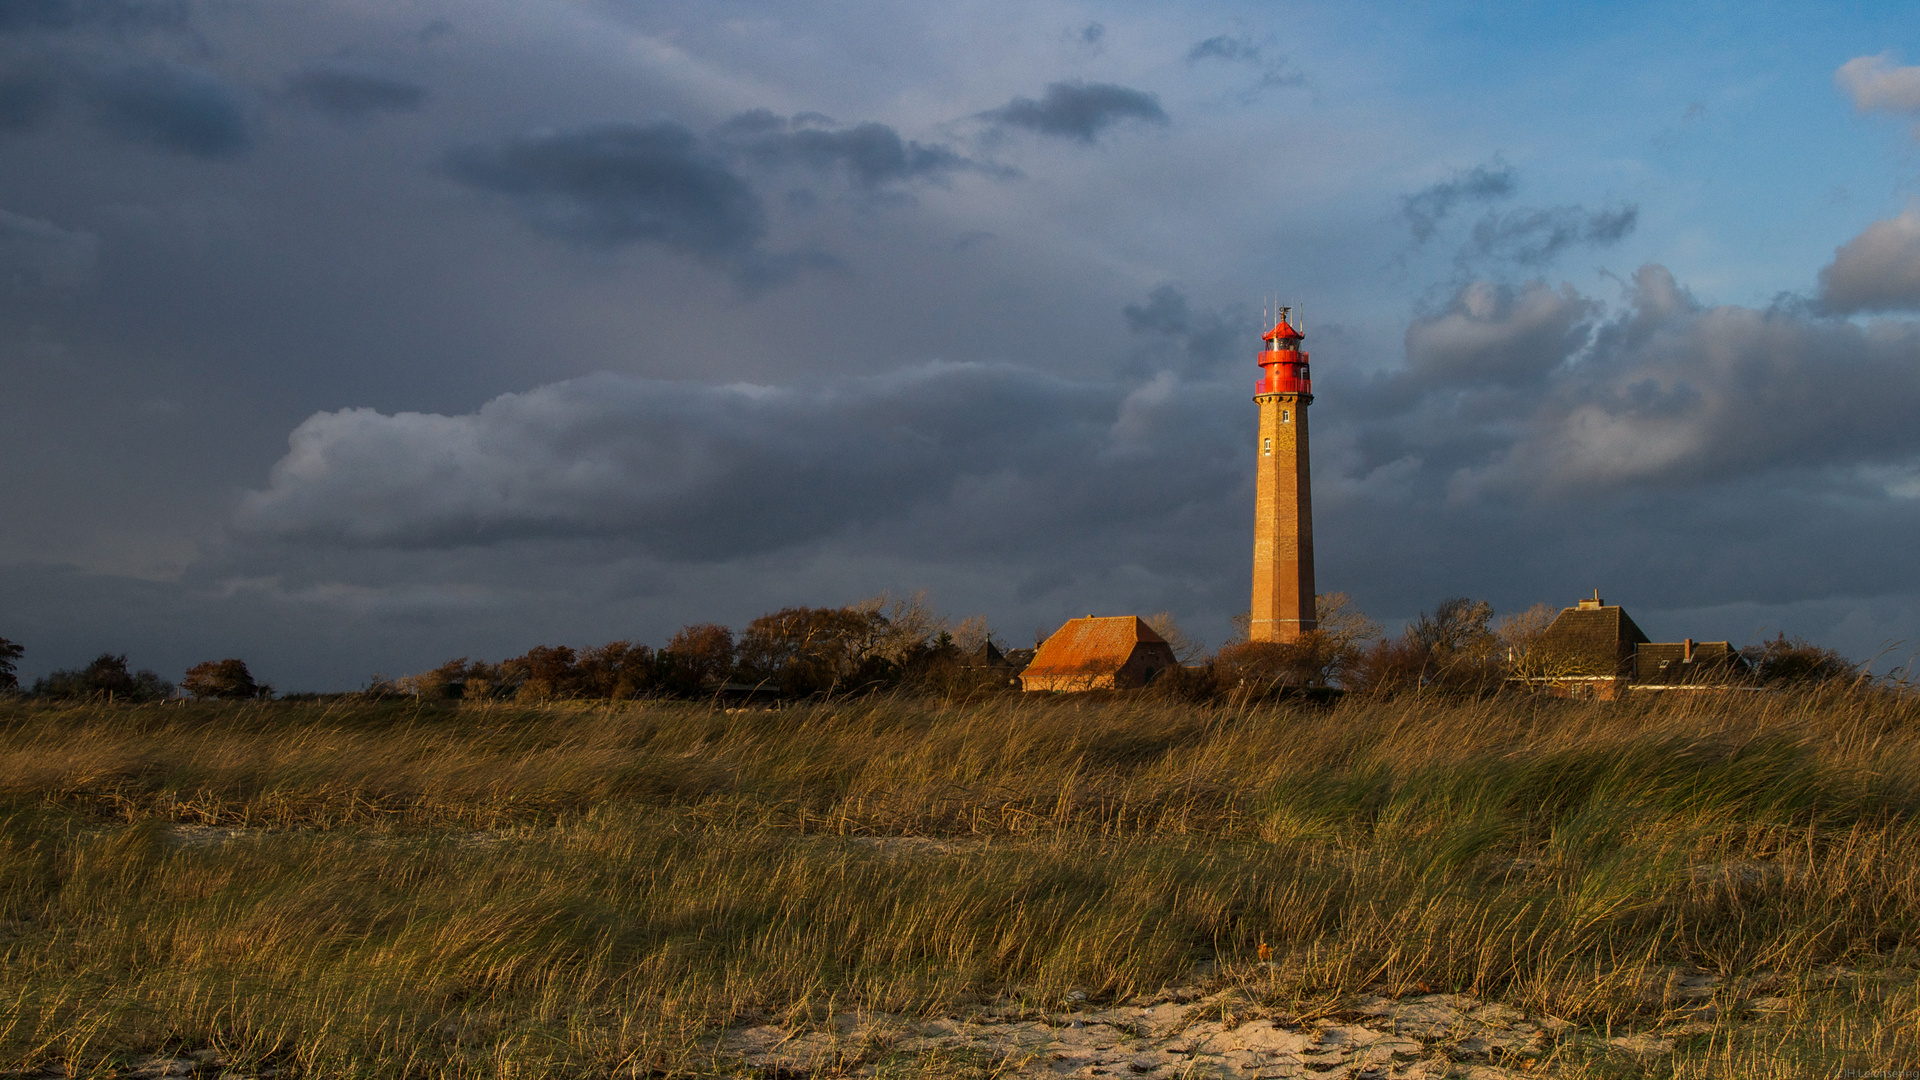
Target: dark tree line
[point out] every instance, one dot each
(9, 653)
(797, 652)
(1456, 650)
(108, 679)
(815, 652)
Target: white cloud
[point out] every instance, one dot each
(704, 472)
(1879, 270)
(1875, 82)
(1497, 333)
(1667, 392)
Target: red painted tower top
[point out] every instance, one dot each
(1282, 330)
(1283, 367)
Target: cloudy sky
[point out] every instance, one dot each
(348, 336)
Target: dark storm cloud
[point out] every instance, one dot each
(1531, 393)
(1167, 311)
(26, 98)
(1524, 237)
(350, 93)
(1206, 337)
(167, 323)
(701, 472)
(1078, 110)
(1674, 392)
(1764, 542)
(160, 104)
(870, 154)
(37, 254)
(1242, 49)
(171, 107)
(1536, 237)
(19, 16)
(1426, 208)
(1224, 47)
(1511, 395)
(1537, 440)
(296, 634)
(1533, 430)
(617, 184)
(1879, 270)
(1500, 334)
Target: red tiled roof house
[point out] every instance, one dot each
(1116, 653)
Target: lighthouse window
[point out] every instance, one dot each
(1268, 448)
(1283, 416)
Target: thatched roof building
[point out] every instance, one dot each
(1114, 653)
(1593, 639)
(1595, 650)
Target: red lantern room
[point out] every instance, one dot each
(1283, 367)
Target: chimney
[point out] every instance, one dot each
(1593, 604)
(1688, 645)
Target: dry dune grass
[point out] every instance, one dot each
(384, 890)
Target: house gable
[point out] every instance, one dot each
(1592, 639)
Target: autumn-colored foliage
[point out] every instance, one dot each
(699, 656)
(1795, 661)
(227, 678)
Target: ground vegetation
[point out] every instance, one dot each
(1707, 885)
(106, 678)
(225, 679)
(1793, 661)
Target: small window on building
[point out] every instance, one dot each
(1268, 448)
(1283, 416)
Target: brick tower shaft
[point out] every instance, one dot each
(1283, 604)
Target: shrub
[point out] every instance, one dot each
(9, 652)
(617, 671)
(107, 677)
(1329, 655)
(226, 679)
(1186, 649)
(447, 682)
(1261, 667)
(1457, 627)
(698, 657)
(1452, 651)
(1793, 661)
(381, 688)
(805, 651)
(961, 670)
(544, 672)
(1391, 666)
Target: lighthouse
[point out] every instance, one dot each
(1283, 499)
